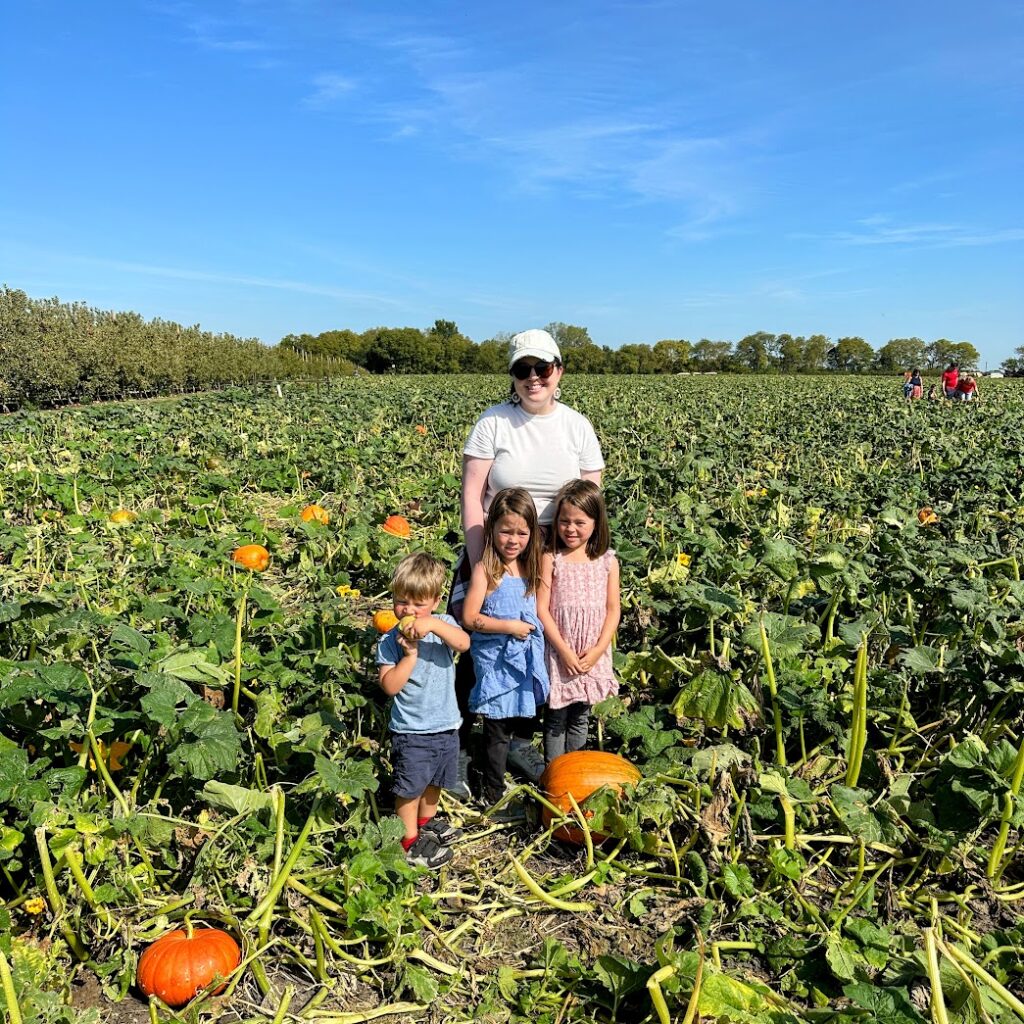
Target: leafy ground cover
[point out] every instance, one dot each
(822, 659)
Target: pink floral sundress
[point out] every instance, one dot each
(579, 603)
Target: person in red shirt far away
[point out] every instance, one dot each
(950, 378)
(967, 389)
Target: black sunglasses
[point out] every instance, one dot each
(543, 369)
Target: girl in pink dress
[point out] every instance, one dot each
(578, 604)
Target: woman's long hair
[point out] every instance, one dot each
(517, 501)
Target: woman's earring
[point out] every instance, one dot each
(515, 399)
(558, 392)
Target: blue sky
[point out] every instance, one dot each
(648, 170)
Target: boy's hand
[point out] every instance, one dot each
(521, 630)
(419, 628)
(409, 647)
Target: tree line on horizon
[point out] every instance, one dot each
(54, 352)
(444, 348)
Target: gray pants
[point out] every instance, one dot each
(565, 729)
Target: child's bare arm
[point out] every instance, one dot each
(454, 636)
(552, 635)
(612, 615)
(393, 677)
(473, 618)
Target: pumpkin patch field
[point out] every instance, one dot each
(821, 659)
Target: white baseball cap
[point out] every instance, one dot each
(536, 343)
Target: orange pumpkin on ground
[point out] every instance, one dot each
(420, 428)
(315, 513)
(397, 526)
(178, 965)
(384, 620)
(926, 517)
(254, 557)
(581, 773)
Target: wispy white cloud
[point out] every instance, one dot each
(881, 230)
(219, 34)
(214, 277)
(328, 88)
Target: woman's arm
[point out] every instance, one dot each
(613, 612)
(552, 635)
(473, 618)
(592, 474)
(474, 487)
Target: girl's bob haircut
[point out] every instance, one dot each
(512, 501)
(587, 497)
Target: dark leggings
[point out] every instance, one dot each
(565, 729)
(498, 733)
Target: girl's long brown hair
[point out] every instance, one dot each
(517, 501)
(587, 497)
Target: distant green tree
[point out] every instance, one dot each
(402, 350)
(757, 351)
(671, 356)
(456, 350)
(712, 355)
(851, 355)
(490, 356)
(1015, 364)
(902, 354)
(815, 353)
(587, 359)
(568, 336)
(966, 355)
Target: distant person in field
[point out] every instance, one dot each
(933, 393)
(530, 440)
(950, 379)
(967, 389)
(913, 386)
(579, 605)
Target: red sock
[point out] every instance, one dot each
(420, 822)
(406, 843)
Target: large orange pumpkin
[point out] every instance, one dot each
(315, 513)
(581, 773)
(397, 526)
(251, 556)
(384, 620)
(179, 965)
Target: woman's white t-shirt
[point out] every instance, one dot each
(538, 453)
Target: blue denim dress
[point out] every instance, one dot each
(511, 677)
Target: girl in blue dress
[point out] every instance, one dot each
(507, 636)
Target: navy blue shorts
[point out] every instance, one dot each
(422, 759)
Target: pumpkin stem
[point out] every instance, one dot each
(189, 929)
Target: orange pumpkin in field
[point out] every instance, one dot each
(926, 517)
(397, 526)
(254, 557)
(182, 963)
(581, 773)
(384, 620)
(316, 514)
(420, 428)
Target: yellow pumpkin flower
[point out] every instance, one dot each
(111, 755)
(682, 559)
(35, 906)
(346, 591)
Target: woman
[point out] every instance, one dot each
(967, 389)
(950, 379)
(532, 441)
